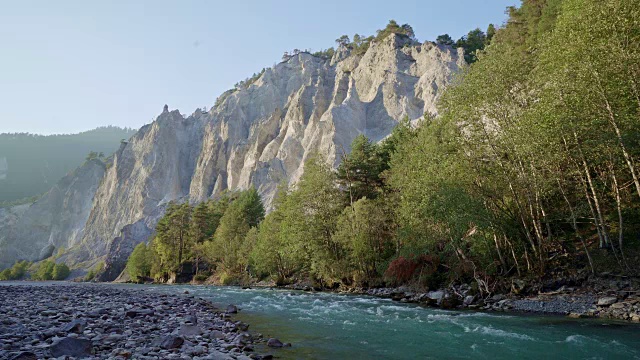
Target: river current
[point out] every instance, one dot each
(334, 326)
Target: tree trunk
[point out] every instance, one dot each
(616, 189)
(574, 225)
(594, 195)
(614, 124)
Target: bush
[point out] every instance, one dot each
(94, 271)
(44, 271)
(5, 275)
(403, 269)
(200, 277)
(139, 263)
(16, 272)
(60, 271)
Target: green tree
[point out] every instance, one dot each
(393, 28)
(366, 230)
(444, 39)
(60, 271)
(44, 271)
(139, 263)
(5, 275)
(275, 251)
(473, 42)
(343, 40)
(228, 247)
(173, 238)
(19, 269)
(491, 31)
(311, 219)
(360, 170)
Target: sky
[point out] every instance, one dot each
(72, 65)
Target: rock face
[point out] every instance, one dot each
(4, 168)
(258, 135)
(57, 220)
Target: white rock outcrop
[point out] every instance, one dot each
(259, 135)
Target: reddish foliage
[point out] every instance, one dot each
(403, 269)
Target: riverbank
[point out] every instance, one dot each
(604, 297)
(50, 320)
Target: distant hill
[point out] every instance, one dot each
(30, 164)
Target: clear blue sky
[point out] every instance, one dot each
(68, 66)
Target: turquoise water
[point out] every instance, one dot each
(332, 326)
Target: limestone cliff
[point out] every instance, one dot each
(258, 135)
(55, 221)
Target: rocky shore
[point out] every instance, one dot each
(606, 298)
(66, 320)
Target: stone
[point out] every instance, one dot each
(171, 342)
(72, 347)
(189, 330)
(217, 334)
(232, 309)
(274, 343)
(435, 296)
(196, 350)
(76, 326)
(449, 302)
(498, 297)
(606, 301)
(577, 315)
(139, 312)
(25, 355)
(468, 300)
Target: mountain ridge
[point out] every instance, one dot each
(259, 135)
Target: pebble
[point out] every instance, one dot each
(103, 321)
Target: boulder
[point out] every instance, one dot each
(171, 342)
(274, 343)
(25, 355)
(468, 300)
(449, 302)
(435, 297)
(189, 330)
(76, 326)
(47, 251)
(607, 300)
(74, 347)
(232, 309)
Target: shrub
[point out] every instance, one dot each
(44, 271)
(94, 271)
(5, 275)
(60, 271)
(16, 272)
(402, 269)
(200, 277)
(139, 263)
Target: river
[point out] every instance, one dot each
(335, 326)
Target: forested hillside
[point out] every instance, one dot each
(530, 170)
(30, 164)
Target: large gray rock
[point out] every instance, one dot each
(171, 342)
(78, 348)
(259, 135)
(607, 300)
